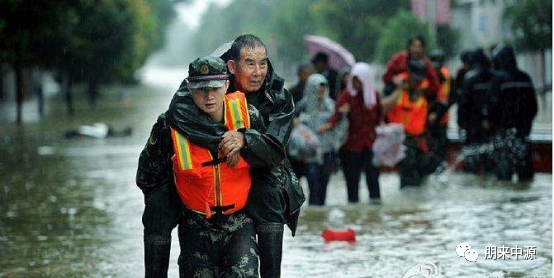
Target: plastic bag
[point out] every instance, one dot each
(304, 145)
(388, 148)
(340, 133)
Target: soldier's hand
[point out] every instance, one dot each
(233, 160)
(232, 142)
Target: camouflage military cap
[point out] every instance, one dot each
(207, 72)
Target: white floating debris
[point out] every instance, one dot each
(336, 215)
(45, 150)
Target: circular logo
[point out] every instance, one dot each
(204, 69)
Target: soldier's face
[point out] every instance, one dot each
(210, 100)
(250, 71)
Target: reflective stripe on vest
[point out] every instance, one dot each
(412, 115)
(445, 88)
(423, 85)
(444, 93)
(236, 109)
(181, 145)
(207, 185)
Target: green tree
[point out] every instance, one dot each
(531, 24)
(447, 40)
(223, 24)
(162, 13)
(289, 29)
(25, 26)
(95, 42)
(396, 32)
(357, 24)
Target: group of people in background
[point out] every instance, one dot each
(496, 107)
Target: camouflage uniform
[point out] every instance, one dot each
(511, 152)
(223, 246)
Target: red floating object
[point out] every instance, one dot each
(339, 235)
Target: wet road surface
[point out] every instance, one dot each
(70, 208)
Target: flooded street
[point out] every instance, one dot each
(70, 208)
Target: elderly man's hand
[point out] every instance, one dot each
(233, 160)
(232, 142)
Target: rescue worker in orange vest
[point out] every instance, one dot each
(408, 106)
(437, 119)
(197, 187)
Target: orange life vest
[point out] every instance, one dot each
(206, 184)
(411, 114)
(444, 92)
(423, 85)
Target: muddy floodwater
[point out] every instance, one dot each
(70, 208)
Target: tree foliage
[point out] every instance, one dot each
(531, 23)
(447, 40)
(359, 25)
(102, 41)
(396, 32)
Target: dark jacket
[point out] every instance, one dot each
(262, 149)
(297, 92)
(473, 104)
(513, 100)
(331, 76)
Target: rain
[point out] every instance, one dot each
(82, 85)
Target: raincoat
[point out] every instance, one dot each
(513, 100)
(474, 100)
(265, 151)
(315, 112)
(513, 106)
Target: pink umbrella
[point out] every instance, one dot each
(339, 57)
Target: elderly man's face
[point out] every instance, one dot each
(250, 71)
